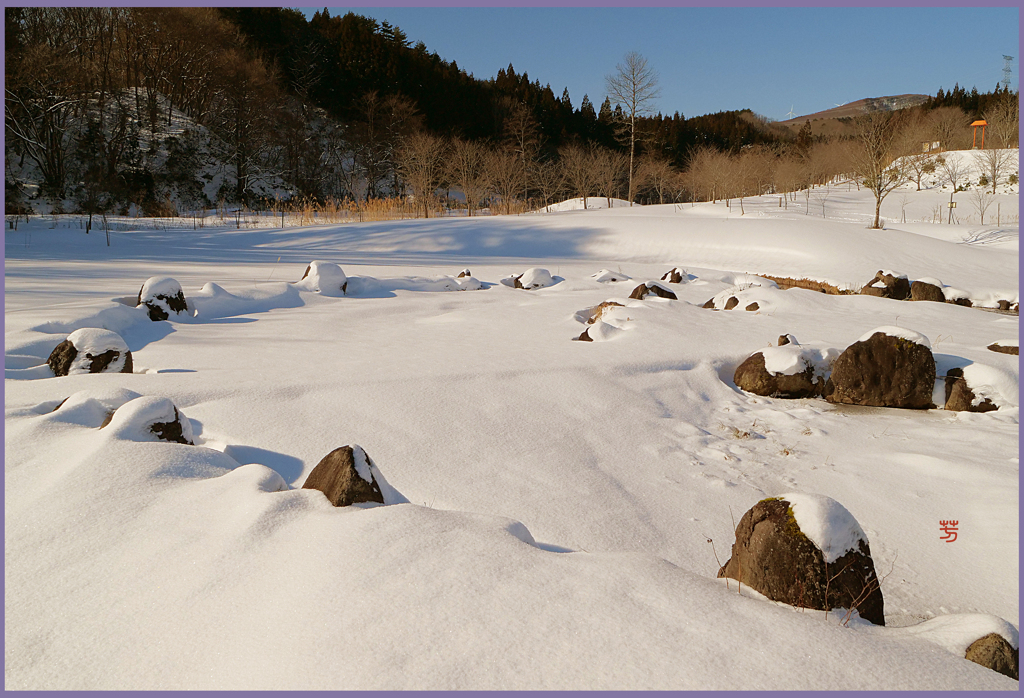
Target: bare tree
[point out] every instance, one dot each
(950, 128)
(656, 173)
(954, 172)
(1004, 123)
(608, 167)
(420, 162)
(635, 86)
(876, 156)
(981, 199)
(995, 163)
(466, 170)
(383, 123)
(506, 176)
(578, 167)
(550, 179)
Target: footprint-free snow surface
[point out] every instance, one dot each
(558, 509)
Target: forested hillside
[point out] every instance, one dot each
(165, 109)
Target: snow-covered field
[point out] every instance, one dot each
(550, 501)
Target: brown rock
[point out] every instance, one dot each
(732, 302)
(753, 377)
(1004, 350)
(772, 556)
(752, 306)
(337, 477)
(598, 310)
(894, 287)
(995, 653)
(650, 287)
(168, 431)
(675, 276)
(585, 336)
(960, 397)
(175, 302)
(783, 340)
(464, 273)
(883, 371)
(710, 304)
(1004, 305)
(924, 291)
(965, 302)
(65, 353)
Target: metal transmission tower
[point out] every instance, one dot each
(1007, 70)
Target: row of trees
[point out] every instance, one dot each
(115, 105)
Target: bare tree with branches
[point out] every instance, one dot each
(421, 165)
(578, 167)
(466, 170)
(876, 156)
(635, 86)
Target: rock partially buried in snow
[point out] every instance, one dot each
(786, 371)
(887, 367)
(1005, 346)
(150, 418)
(606, 276)
(532, 278)
(995, 653)
(807, 551)
(90, 350)
(464, 273)
(924, 291)
(960, 397)
(888, 284)
(346, 476)
(162, 297)
(676, 276)
(981, 388)
(325, 278)
(652, 287)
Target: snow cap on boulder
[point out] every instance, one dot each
(162, 297)
(150, 418)
(900, 332)
(532, 278)
(325, 278)
(90, 350)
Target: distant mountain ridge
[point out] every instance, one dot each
(862, 106)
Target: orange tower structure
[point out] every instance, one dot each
(976, 124)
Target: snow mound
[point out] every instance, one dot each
(593, 202)
(132, 421)
(605, 276)
(958, 631)
(535, 277)
(827, 523)
(900, 332)
(89, 408)
(165, 293)
(999, 386)
(325, 278)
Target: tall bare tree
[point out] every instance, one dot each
(954, 172)
(466, 170)
(1003, 120)
(635, 86)
(996, 163)
(549, 179)
(421, 164)
(608, 167)
(506, 176)
(876, 156)
(577, 164)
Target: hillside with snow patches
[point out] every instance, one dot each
(555, 511)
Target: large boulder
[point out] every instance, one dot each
(887, 367)
(807, 551)
(90, 350)
(786, 371)
(346, 476)
(924, 291)
(888, 284)
(994, 652)
(655, 287)
(162, 297)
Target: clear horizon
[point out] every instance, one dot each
(770, 60)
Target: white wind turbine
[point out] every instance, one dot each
(791, 114)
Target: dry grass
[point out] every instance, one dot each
(785, 282)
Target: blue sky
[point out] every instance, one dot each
(717, 59)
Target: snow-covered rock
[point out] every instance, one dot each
(150, 418)
(163, 297)
(90, 350)
(325, 278)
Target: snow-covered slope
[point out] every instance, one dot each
(561, 495)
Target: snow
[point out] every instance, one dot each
(325, 278)
(898, 332)
(547, 502)
(790, 359)
(827, 523)
(535, 277)
(91, 341)
(605, 276)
